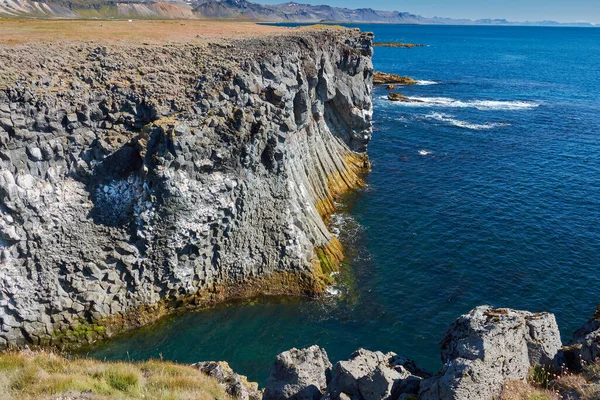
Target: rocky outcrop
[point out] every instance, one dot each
(235, 385)
(369, 375)
(137, 179)
(299, 374)
(489, 346)
(584, 347)
(397, 44)
(382, 78)
(307, 374)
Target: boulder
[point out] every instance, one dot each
(486, 347)
(369, 375)
(298, 374)
(236, 385)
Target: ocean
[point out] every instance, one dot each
(486, 191)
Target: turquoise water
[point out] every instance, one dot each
(486, 192)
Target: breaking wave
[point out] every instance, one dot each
(426, 83)
(448, 119)
(477, 104)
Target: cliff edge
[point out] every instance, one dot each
(138, 178)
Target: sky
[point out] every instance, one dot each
(513, 10)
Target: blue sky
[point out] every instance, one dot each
(514, 10)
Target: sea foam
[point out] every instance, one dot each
(484, 105)
(449, 119)
(426, 82)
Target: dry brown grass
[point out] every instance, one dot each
(43, 375)
(18, 31)
(583, 386)
(519, 390)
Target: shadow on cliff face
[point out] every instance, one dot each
(115, 187)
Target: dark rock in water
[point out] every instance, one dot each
(236, 385)
(393, 96)
(390, 87)
(298, 374)
(369, 375)
(489, 346)
(382, 78)
(584, 347)
(397, 44)
(399, 97)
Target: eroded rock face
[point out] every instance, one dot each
(369, 375)
(299, 374)
(487, 346)
(134, 179)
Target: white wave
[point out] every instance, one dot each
(478, 104)
(425, 152)
(462, 124)
(333, 291)
(426, 83)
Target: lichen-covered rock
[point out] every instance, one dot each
(135, 179)
(369, 375)
(299, 375)
(487, 346)
(236, 385)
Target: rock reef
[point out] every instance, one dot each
(382, 78)
(135, 179)
(397, 44)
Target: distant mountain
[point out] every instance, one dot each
(230, 9)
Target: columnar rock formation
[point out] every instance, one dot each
(135, 179)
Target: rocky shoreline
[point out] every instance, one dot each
(482, 352)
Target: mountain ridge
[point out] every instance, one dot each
(291, 12)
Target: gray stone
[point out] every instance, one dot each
(298, 374)
(35, 153)
(369, 375)
(488, 346)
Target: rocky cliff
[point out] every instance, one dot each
(135, 179)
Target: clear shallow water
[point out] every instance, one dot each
(487, 192)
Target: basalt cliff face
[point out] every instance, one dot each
(138, 179)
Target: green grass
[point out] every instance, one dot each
(40, 375)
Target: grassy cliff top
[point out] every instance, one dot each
(19, 31)
(42, 375)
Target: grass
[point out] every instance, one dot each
(40, 375)
(20, 31)
(544, 384)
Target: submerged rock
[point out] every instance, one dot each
(236, 385)
(299, 374)
(382, 78)
(486, 347)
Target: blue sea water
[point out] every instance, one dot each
(485, 192)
